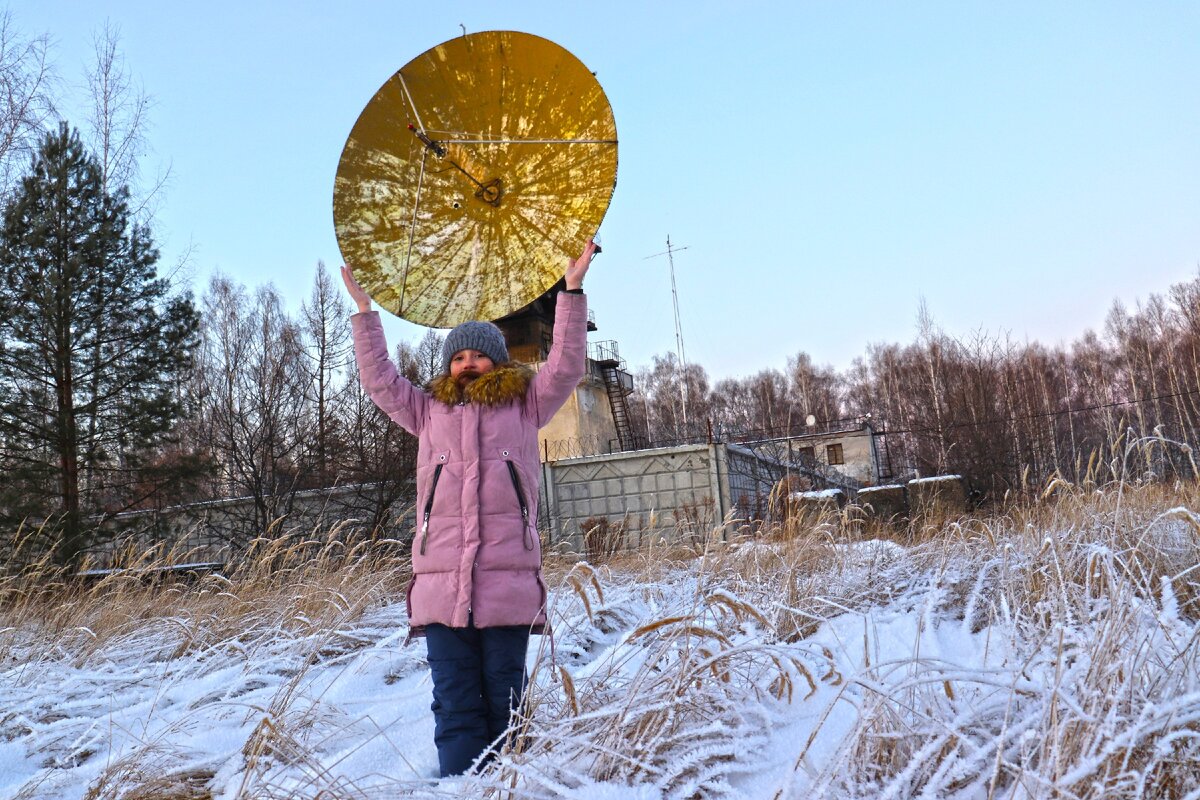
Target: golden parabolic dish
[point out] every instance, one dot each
(527, 170)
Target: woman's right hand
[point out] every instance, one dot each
(361, 298)
(577, 267)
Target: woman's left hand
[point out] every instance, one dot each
(578, 267)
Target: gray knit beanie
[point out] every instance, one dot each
(482, 336)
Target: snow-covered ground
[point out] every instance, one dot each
(965, 668)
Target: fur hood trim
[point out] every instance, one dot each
(501, 386)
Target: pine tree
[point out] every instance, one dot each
(91, 340)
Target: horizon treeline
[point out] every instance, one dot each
(1006, 415)
(272, 405)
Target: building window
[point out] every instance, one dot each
(833, 454)
(807, 455)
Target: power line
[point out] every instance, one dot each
(1044, 415)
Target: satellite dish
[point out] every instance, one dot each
(471, 177)
(810, 421)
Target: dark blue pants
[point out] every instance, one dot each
(478, 678)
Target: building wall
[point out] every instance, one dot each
(214, 530)
(684, 491)
(644, 490)
(584, 425)
(858, 452)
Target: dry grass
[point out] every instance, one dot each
(296, 596)
(677, 665)
(1100, 588)
(661, 708)
(1095, 592)
(289, 585)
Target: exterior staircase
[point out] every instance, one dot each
(619, 385)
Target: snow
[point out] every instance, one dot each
(937, 479)
(820, 494)
(686, 661)
(886, 487)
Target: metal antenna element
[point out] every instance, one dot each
(680, 353)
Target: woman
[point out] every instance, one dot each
(477, 591)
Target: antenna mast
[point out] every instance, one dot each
(680, 353)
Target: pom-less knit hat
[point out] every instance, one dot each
(482, 336)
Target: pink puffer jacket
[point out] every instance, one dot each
(476, 550)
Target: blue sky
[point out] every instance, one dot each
(828, 165)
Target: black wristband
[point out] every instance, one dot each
(574, 291)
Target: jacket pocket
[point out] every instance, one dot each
(516, 482)
(437, 473)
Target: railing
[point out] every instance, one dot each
(606, 351)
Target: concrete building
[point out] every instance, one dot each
(848, 447)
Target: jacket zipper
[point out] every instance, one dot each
(516, 481)
(437, 473)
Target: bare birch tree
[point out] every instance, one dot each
(248, 390)
(326, 344)
(27, 86)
